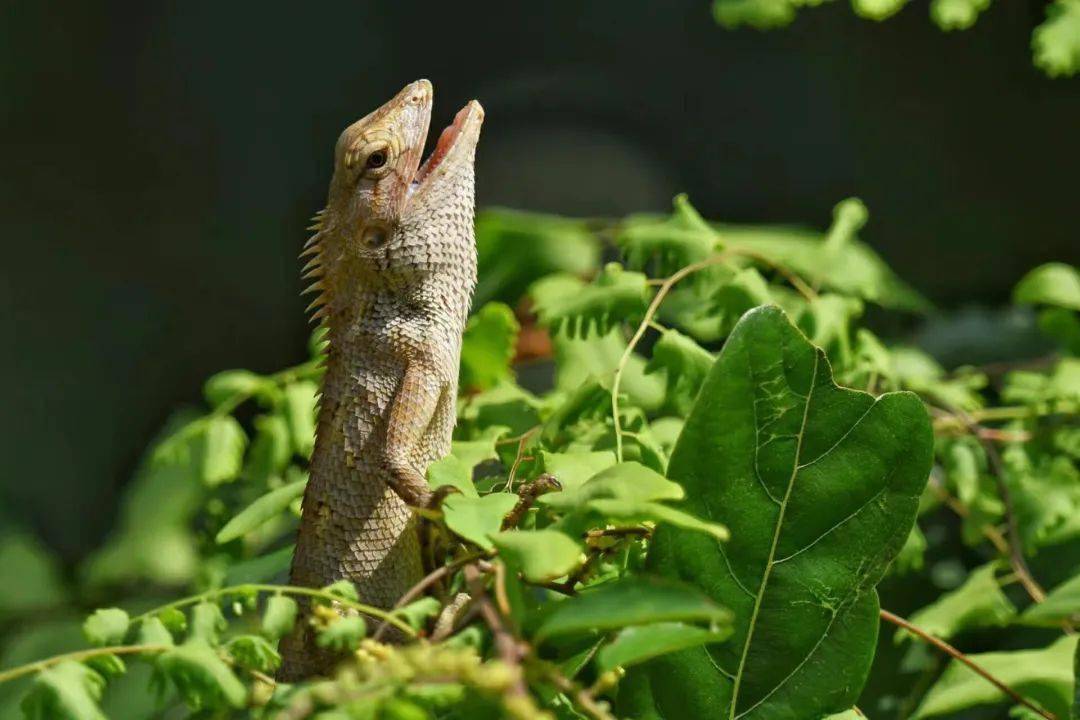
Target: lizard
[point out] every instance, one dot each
(393, 260)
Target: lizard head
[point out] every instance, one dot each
(381, 195)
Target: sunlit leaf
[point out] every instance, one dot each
(279, 616)
(106, 626)
(299, 408)
(476, 518)
(1056, 42)
(200, 675)
(978, 603)
(819, 486)
(540, 555)
(1044, 676)
(66, 691)
(616, 295)
(488, 346)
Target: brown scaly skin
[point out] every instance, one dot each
(395, 265)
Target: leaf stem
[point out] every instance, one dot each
(957, 655)
(650, 312)
(427, 581)
(375, 612)
(78, 656)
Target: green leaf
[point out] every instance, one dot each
(207, 623)
(263, 509)
(253, 652)
(581, 359)
(616, 295)
(1044, 676)
(226, 385)
(685, 364)
(540, 555)
(1056, 42)
(476, 518)
(200, 675)
(877, 9)
(621, 511)
(342, 634)
(29, 575)
(1051, 284)
(1061, 605)
(106, 626)
(279, 617)
(631, 601)
(488, 346)
(819, 486)
(668, 243)
(956, 14)
(573, 469)
(270, 450)
(978, 603)
(640, 643)
(760, 14)
(515, 248)
(300, 404)
(343, 589)
(66, 691)
(153, 632)
(418, 612)
(451, 471)
(625, 481)
(223, 444)
(850, 269)
(261, 569)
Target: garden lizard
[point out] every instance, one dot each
(393, 260)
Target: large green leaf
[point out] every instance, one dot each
(68, 691)
(819, 486)
(475, 518)
(540, 555)
(564, 303)
(1044, 675)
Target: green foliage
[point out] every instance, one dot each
(1044, 675)
(819, 485)
(1055, 43)
(687, 494)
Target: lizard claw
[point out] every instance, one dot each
(429, 504)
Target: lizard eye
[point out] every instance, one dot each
(376, 159)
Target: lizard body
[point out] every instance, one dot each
(394, 261)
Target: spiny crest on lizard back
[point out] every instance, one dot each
(381, 222)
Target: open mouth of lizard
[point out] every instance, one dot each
(446, 142)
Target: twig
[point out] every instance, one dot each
(650, 312)
(510, 650)
(527, 495)
(427, 581)
(956, 654)
(78, 656)
(1016, 548)
(582, 697)
(519, 457)
(996, 538)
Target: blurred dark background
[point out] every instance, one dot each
(160, 161)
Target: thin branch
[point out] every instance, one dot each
(961, 657)
(78, 656)
(581, 697)
(650, 312)
(527, 494)
(510, 650)
(423, 584)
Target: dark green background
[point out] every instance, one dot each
(160, 161)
